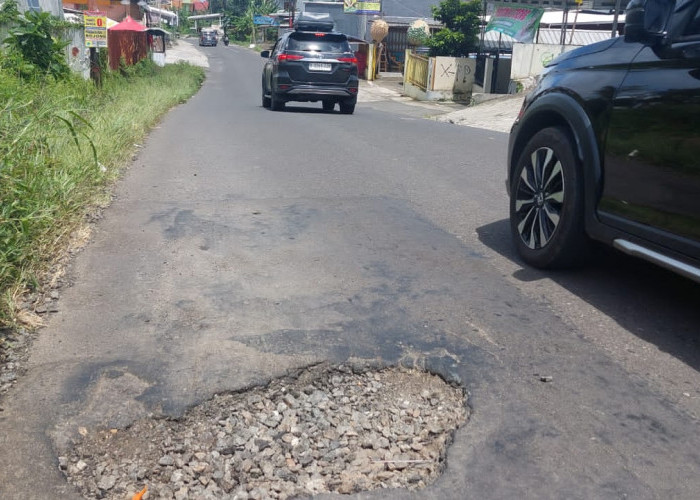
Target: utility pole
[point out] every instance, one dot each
(618, 4)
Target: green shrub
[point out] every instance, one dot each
(34, 44)
(417, 36)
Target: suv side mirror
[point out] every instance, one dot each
(645, 20)
(265, 54)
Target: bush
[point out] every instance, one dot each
(459, 37)
(34, 46)
(417, 36)
(449, 43)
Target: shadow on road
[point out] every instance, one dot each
(654, 304)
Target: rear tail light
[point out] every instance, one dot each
(289, 57)
(352, 60)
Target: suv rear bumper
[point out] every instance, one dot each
(314, 93)
(311, 91)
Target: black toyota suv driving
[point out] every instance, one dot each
(607, 146)
(311, 63)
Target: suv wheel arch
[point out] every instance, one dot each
(562, 110)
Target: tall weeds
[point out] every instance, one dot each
(62, 142)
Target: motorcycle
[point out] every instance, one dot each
(226, 40)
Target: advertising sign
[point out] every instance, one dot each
(265, 20)
(95, 29)
(518, 21)
(358, 7)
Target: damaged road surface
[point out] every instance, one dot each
(279, 241)
(342, 429)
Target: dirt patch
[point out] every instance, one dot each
(324, 429)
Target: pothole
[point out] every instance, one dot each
(336, 429)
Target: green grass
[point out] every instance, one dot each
(62, 145)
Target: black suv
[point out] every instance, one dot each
(607, 146)
(311, 63)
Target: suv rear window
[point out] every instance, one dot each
(318, 42)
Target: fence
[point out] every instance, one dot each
(416, 72)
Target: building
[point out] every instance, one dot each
(398, 14)
(53, 6)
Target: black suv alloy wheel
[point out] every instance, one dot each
(546, 205)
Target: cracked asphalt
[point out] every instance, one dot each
(243, 243)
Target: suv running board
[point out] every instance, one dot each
(664, 261)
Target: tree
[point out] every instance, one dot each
(459, 37)
(241, 24)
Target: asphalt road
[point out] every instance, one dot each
(243, 242)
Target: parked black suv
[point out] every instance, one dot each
(607, 146)
(311, 63)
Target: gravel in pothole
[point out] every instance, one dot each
(325, 429)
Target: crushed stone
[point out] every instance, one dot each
(340, 429)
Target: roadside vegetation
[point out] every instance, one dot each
(239, 16)
(459, 37)
(237, 19)
(63, 141)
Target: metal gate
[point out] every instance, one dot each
(396, 44)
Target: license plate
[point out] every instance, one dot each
(320, 66)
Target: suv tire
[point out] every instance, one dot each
(347, 108)
(265, 99)
(276, 104)
(547, 202)
(328, 105)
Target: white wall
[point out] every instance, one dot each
(529, 58)
(449, 78)
(53, 6)
(78, 55)
(452, 74)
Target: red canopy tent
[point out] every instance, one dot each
(127, 40)
(128, 24)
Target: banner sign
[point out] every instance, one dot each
(265, 20)
(358, 7)
(518, 21)
(95, 29)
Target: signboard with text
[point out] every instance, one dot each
(265, 20)
(358, 7)
(518, 21)
(95, 29)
